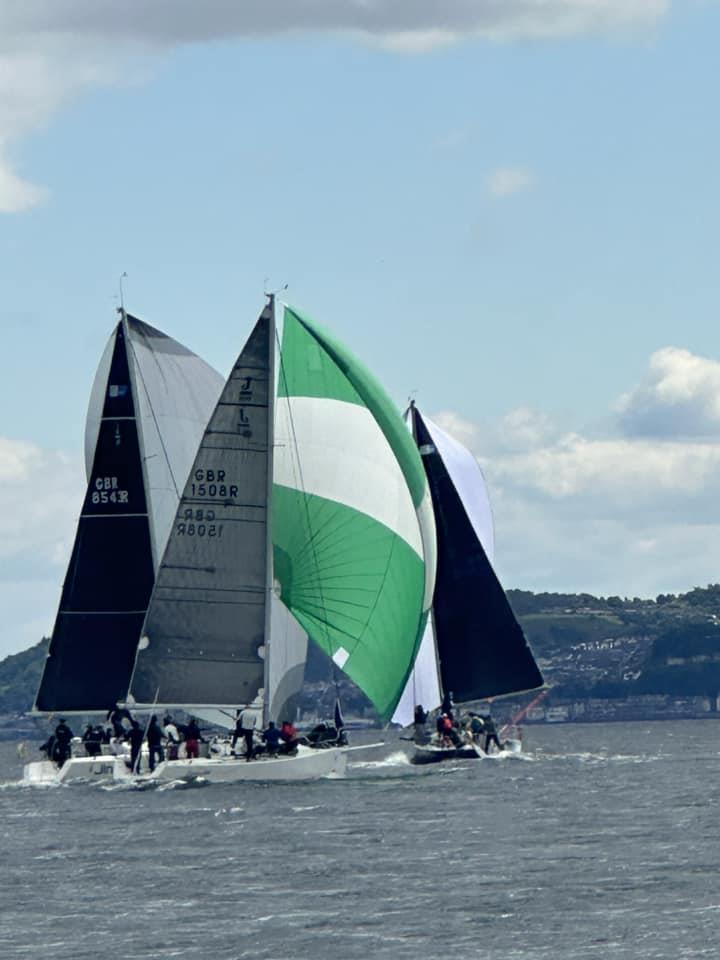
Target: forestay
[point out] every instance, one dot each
(354, 539)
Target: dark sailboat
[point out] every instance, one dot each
(481, 651)
(149, 404)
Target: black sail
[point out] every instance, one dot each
(110, 576)
(203, 640)
(481, 647)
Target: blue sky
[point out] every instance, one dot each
(511, 209)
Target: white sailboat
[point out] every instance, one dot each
(314, 500)
(149, 404)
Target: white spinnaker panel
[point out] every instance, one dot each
(176, 392)
(288, 652)
(423, 686)
(469, 482)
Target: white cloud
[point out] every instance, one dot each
(53, 50)
(16, 194)
(40, 499)
(679, 396)
(505, 181)
(633, 514)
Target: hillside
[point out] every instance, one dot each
(19, 678)
(588, 647)
(613, 647)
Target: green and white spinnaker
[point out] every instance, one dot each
(353, 528)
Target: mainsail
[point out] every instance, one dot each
(203, 641)
(143, 375)
(353, 532)
(482, 651)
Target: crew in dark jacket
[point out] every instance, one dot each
(490, 733)
(136, 737)
(116, 715)
(192, 738)
(271, 736)
(63, 737)
(154, 739)
(92, 738)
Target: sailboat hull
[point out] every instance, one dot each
(428, 753)
(45, 773)
(431, 753)
(307, 764)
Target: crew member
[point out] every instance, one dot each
(63, 738)
(245, 721)
(448, 705)
(490, 733)
(136, 737)
(289, 737)
(154, 739)
(271, 736)
(92, 740)
(116, 715)
(192, 738)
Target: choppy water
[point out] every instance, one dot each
(601, 842)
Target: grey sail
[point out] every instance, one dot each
(202, 642)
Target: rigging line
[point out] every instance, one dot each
(155, 420)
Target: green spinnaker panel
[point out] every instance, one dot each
(347, 545)
(354, 586)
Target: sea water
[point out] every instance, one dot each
(600, 841)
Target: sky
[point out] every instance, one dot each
(508, 210)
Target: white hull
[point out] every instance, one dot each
(307, 764)
(46, 772)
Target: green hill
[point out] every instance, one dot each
(587, 647)
(20, 676)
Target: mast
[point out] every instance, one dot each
(132, 370)
(269, 577)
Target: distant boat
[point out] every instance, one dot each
(149, 405)
(330, 510)
(474, 647)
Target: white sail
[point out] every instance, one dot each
(423, 686)
(468, 480)
(286, 668)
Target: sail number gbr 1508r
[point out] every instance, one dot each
(212, 483)
(200, 521)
